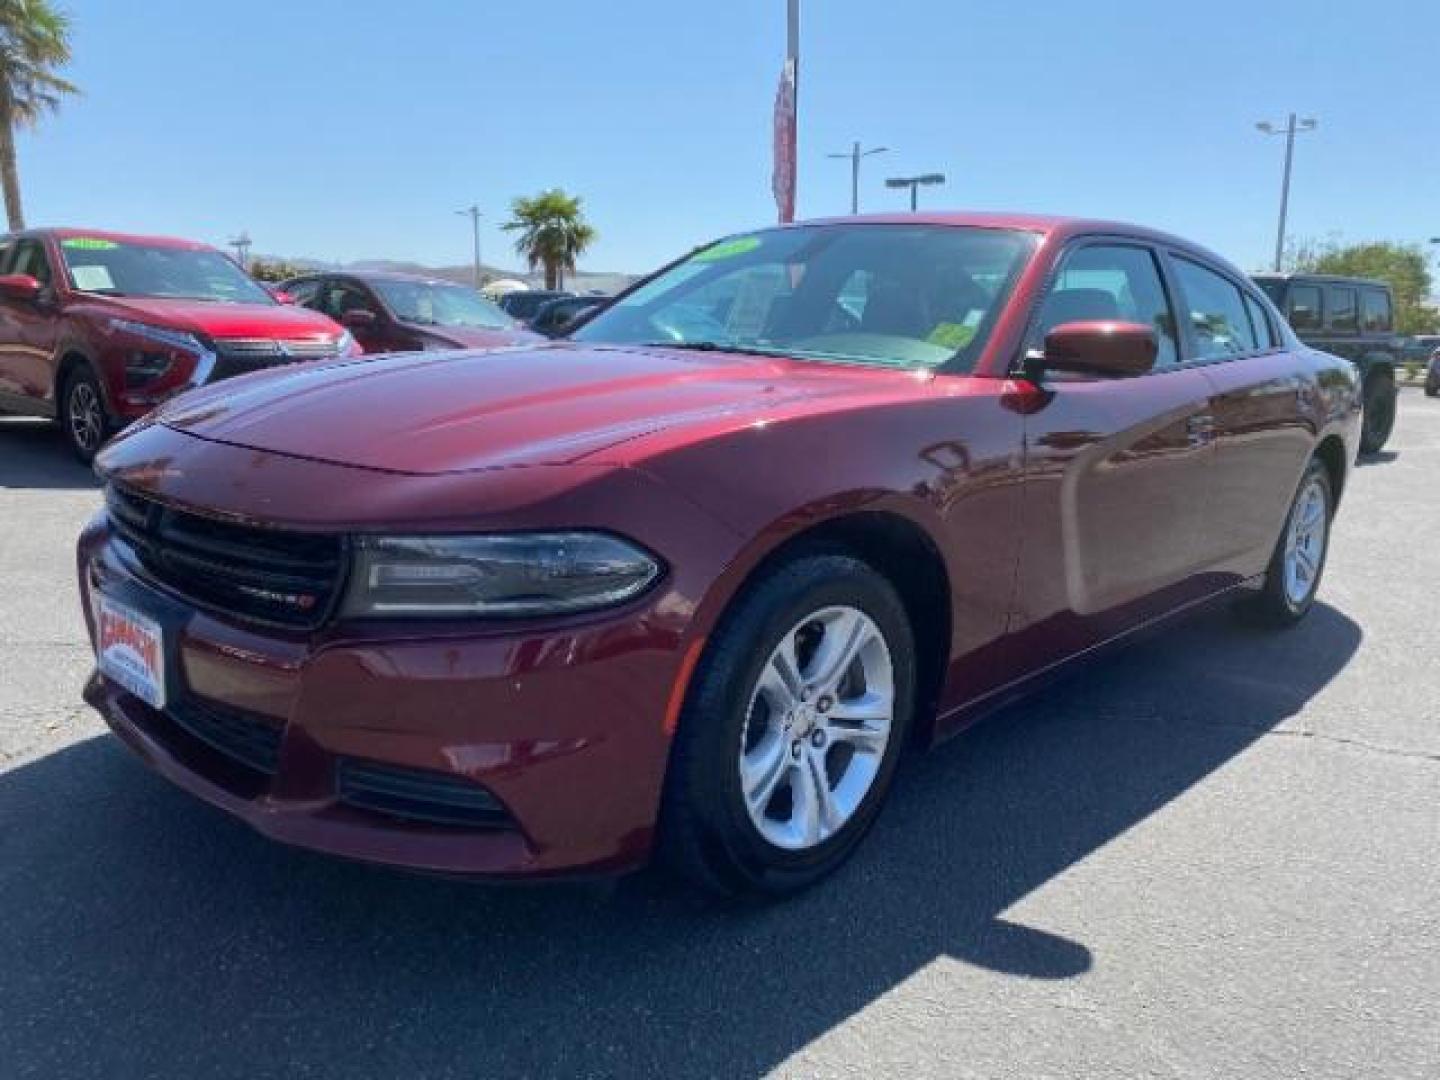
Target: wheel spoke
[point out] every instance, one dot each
(814, 814)
(845, 635)
(867, 737)
(761, 771)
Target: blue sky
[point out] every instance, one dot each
(345, 130)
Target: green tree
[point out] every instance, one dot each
(1404, 267)
(274, 272)
(553, 233)
(34, 42)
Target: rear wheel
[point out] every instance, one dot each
(82, 413)
(1378, 419)
(1298, 562)
(792, 729)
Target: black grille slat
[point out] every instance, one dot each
(417, 795)
(249, 740)
(238, 356)
(268, 575)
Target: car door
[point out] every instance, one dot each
(1260, 393)
(1117, 471)
(28, 328)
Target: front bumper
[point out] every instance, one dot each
(561, 728)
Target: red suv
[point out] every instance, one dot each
(691, 580)
(98, 328)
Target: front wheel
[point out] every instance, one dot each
(82, 414)
(1378, 419)
(792, 730)
(1293, 577)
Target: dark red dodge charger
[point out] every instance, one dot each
(689, 582)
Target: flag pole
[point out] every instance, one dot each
(782, 180)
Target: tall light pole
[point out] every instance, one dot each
(855, 155)
(474, 214)
(241, 244)
(1289, 131)
(915, 183)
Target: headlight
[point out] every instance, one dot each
(176, 339)
(346, 345)
(502, 574)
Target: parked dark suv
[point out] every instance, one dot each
(1353, 318)
(98, 328)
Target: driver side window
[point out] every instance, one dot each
(1110, 283)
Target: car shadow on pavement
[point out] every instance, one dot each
(33, 454)
(146, 934)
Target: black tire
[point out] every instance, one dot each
(1378, 419)
(1274, 605)
(80, 394)
(706, 832)
(1432, 390)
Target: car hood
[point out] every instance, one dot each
(219, 320)
(481, 337)
(556, 404)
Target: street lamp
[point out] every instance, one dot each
(474, 214)
(1289, 130)
(915, 183)
(855, 155)
(241, 244)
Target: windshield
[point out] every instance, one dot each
(899, 295)
(441, 305)
(112, 268)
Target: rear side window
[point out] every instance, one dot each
(1340, 307)
(1107, 282)
(1260, 323)
(1374, 310)
(1304, 308)
(1218, 319)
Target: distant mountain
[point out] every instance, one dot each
(584, 281)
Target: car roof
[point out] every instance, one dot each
(1053, 228)
(1048, 224)
(67, 233)
(386, 275)
(1346, 279)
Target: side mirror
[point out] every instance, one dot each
(1112, 349)
(20, 287)
(282, 297)
(358, 319)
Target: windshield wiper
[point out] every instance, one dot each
(712, 346)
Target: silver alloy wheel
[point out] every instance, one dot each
(83, 412)
(816, 727)
(1305, 542)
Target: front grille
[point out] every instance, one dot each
(417, 795)
(269, 575)
(250, 740)
(239, 356)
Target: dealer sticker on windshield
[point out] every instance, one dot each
(132, 651)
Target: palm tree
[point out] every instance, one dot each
(553, 233)
(34, 41)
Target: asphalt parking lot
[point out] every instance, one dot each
(1216, 855)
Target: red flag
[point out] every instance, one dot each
(782, 180)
